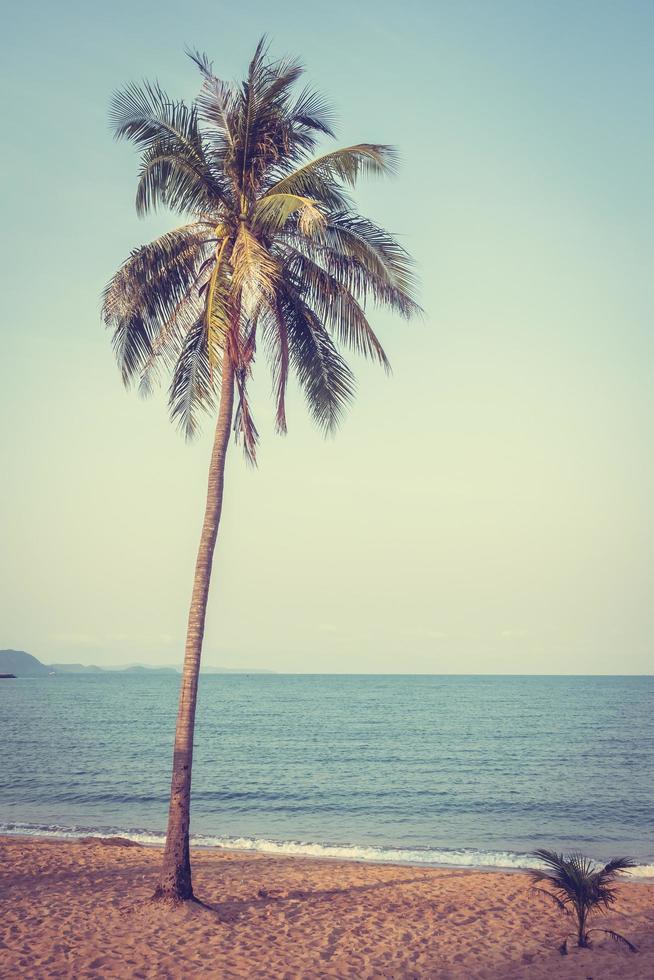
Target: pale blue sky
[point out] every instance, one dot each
(488, 508)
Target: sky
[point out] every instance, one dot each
(487, 508)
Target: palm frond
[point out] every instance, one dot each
(336, 307)
(254, 271)
(174, 169)
(241, 348)
(218, 312)
(560, 904)
(615, 866)
(145, 292)
(217, 100)
(170, 177)
(168, 343)
(313, 112)
(145, 115)
(325, 378)
(617, 938)
(275, 337)
(330, 195)
(272, 211)
(193, 385)
(372, 246)
(346, 165)
(280, 374)
(357, 277)
(200, 59)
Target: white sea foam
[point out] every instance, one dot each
(445, 857)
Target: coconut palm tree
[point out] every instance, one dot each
(581, 888)
(271, 251)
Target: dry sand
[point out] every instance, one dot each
(81, 910)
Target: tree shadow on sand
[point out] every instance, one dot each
(232, 909)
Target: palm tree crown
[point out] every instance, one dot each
(271, 250)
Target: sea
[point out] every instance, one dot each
(433, 770)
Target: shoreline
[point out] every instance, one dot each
(80, 908)
(308, 850)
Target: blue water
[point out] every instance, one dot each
(460, 770)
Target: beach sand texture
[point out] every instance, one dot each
(80, 910)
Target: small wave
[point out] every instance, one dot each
(446, 857)
(431, 857)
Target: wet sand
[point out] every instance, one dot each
(81, 910)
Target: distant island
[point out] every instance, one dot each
(18, 663)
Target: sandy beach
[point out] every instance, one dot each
(80, 909)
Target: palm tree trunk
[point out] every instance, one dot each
(175, 882)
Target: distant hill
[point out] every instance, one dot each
(21, 664)
(25, 665)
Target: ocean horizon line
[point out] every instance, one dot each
(270, 672)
